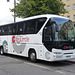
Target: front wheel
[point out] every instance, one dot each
(1, 51)
(32, 56)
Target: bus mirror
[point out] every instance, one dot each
(74, 25)
(57, 28)
(53, 27)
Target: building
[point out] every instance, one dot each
(70, 7)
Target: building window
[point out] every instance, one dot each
(68, 7)
(73, 6)
(68, 17)
(74, 17)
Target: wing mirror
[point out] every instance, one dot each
(55, 27)
(74, 25)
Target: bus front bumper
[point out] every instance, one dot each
(59, 55)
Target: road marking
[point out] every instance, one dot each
(39, 66)
(60, 72)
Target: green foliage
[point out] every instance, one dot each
(28, 8)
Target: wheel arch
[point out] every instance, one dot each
(32, 49)
(1, 50)
(1, 46)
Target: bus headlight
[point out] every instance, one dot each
(47, 55)
(57, 52)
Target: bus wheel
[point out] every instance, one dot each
(1, 51)
(32, 56)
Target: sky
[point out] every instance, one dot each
(5, 14)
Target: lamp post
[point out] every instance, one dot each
(7, 0)
(14, 7)
(14, 11)
(74, 32)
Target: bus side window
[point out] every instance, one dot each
(24, 27)
(0, 30)
(29, 27)
(47, 32)
(32, 26)
(20, 28)
(39, 23)
(14, 29)
(10, 29)
(5, 30)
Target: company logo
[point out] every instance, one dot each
(19, 39)
(64, 47)
(13, 39)
(19, 43)
(67, 47)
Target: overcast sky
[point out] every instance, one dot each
(5, 14)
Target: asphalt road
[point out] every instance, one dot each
(15, 65)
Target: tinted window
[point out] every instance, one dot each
(0, 30)
(5, 30)
(33, 26)
(10, 29)
(65, 30)
(26, 27)
(20, 28)
(29, 27)
(40, 23)
(47, 32)
(14, 29)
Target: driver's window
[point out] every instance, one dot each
(47, 32)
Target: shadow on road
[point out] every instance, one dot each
(57, 63)
(45, 63)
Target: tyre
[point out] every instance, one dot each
(32, 56)
(1, 51)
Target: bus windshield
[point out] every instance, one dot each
(59, 29)
(64, 30)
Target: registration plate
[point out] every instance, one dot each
(68, 56)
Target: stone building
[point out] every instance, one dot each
(70, 7)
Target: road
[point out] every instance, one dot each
(15, 65)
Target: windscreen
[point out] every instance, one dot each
(59, 29)
(64, 30)
(59, 33)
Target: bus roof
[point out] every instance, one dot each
(45, 15)
(38, 16)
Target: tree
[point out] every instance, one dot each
(27, 8)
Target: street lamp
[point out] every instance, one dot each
(14, 7)
(7, 0)
(74, 32)
(14, 11)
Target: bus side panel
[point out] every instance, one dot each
(41, 51)
(0, 41)
(10, 44)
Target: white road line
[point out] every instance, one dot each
(60, 72)
(39, 66)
